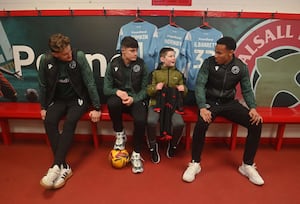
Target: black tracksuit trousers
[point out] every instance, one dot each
(61, 140)
(138, 110)
(237, 113)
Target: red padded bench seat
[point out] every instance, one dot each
(276, 115)
(18, 110)
(190, 116)
(280, 116)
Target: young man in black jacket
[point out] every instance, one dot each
(67, 89)
(215, 95)
(125, 84)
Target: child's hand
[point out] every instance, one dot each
(159, 86)
(180, 88)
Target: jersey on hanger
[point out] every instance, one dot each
(146, 35)
(198, 45)
(171, 36)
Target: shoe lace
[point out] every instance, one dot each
(136, 161)
(252, 170)
(192, 167)
(120, 138)
(64, 174)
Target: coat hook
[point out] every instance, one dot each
(39, 13)
(239, 14)
(71, 11)
(137, 15)
(172, 12)
(104, 11)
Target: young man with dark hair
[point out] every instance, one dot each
(67, 89)
(215, 95)
(125, 85)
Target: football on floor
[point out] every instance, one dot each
(118, 158)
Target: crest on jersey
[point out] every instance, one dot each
(235, 69)
(136, 68)
(72, 64)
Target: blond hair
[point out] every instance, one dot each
(58, 42)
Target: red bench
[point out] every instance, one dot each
(17, 110)
(280, 116)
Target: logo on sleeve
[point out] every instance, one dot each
(50, 66)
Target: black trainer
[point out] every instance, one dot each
(155, 158)
(171, 150)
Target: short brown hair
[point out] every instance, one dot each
(164, 50)
(58, 42)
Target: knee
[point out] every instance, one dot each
(49, 121)
(114, 102)
(151, 122)
(255, 127)
(178, 124)
(139, 122)
(202, 124)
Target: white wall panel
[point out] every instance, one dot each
(287, 6)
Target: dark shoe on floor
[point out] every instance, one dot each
(171, 150)
(155, 158)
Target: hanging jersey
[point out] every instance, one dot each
(171, 36)
(146, 35)
(198, 45)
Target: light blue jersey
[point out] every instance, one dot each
(198, 45)
(146, 35)
(171, 36)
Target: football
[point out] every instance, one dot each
(119, 158)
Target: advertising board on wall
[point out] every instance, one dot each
(270, 48)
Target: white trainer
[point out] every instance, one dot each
(120, 140)
(137, 163)
(48, 180)
(251, 172)
(190, 173)
(65, 174)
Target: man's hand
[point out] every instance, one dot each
(43, 114)
(95, 115)
(255, 118)
(205, 114)
(128, 101)
(122, 95)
